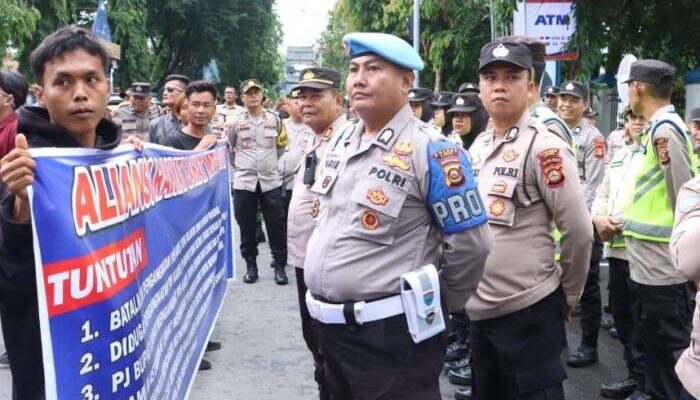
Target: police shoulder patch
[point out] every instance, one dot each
(453, 197)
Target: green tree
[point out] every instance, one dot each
(18, 21)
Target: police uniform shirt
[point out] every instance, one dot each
(540, 112)
(384, 212)
(299, 135)
(304, 207)
(616, 141)
(163, 127)
(614, 193)
(590, 155)
(686, 257)
(527, 179)
(133, 123)
(256, 150)
(226, 114)
(650, 262)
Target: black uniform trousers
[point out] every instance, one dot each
(518, 356)
(21, 333)
(309, 330)
(378, 360)
(246, 207)
(286, 195)
(591, 303)
(621, 301)
(662, 330)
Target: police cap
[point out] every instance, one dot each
(695, 115)
(318, 78)
(536, 46)
(464, 102)
(417, 95)
(389, 47)
(468, 87)
(444, 99)
(176, 77)
(551, 91)
(249, 84)
(651, 71)
(140, 89)
(574, 88)
(509, 52)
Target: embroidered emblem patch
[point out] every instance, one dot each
(449, 161)
(395, 162)
(661, 145)
(326, 181)
(510, 155)
(599, 147)
(404, 148)
(550, 161)
(370, 220)
(315, 208)
(327, 133)
(497, 207)
(499, 187)
(377, 197)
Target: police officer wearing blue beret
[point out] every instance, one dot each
(396, 201)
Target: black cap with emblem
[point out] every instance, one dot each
(468, 87)
(465, 103)
(318, 78)
(444, 99)
(574, 88)
(140, 89)
(419, 94)
(551, 91)
(651, 71)
(694, 115)
(512, 53)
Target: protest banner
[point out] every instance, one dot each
(133, 250)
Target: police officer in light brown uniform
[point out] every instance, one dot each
(686, 257)
(589, 146)
(321, 107)
(394, 196)
(258, 139)
(527, 177)
(135, 117)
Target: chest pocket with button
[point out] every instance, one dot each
(375, 205)
(499, 199)
(269, 137)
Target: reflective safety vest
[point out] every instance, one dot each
(649, 216)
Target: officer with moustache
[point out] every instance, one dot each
(396, 200)
(527, 178)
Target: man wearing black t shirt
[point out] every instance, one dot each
(201, 105)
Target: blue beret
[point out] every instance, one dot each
(388, 47)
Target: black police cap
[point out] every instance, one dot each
(651, 71)
(140, 89)
(419, 94)
(551, 91)
(177, 77)
(468, 87)
(574, 88)
(443, 99)
(536, 46)
(465, 102)
(512, 53)
(318, 78)
(695, 115)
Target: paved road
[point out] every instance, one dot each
(264, 357)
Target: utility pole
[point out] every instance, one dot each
(416, 35)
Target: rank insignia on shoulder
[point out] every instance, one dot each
(551, 164)
(370, 220)
(599, 147)
(497, 207)
(395, 161)
(510, 155)
(404, 148)
(386, 136)
(661, 145)
(450, 163)
(315, 208)
(377, 197)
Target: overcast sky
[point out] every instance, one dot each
(303, 21)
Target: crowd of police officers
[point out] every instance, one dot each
(457, 232)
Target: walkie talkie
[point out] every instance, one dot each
(310, 168)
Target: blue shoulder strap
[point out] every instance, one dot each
(453, 197)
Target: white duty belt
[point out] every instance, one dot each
(362, 312)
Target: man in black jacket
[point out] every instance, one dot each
(71, 69)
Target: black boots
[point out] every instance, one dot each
(251, 274)
(280, 275)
